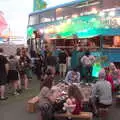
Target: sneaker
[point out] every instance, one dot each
(16, 93)
(19, 91)
(4, 98)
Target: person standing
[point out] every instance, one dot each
(87, 61)
(24, 67)
(38, 66)
(69, 62)
(3, 74)
(17, 57)
(62, 63)
(13, 73)
(51, 63)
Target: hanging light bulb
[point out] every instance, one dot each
(46, 30)
(41, 31)
(112, 13)
(69, 21)
(118, 21)
(94, 10)
(102, 14)
(74, 16)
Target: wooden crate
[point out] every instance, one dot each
(31, 104)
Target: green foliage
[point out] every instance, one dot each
(39, 4)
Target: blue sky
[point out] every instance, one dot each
(16, 13)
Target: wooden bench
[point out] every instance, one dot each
(82, 115)
(31, 104)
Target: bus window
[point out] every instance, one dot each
(112, 42)
(47, 17)
(34, 20)
(43, 20)
(108, 42)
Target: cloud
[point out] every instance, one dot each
(5, 0)
(16, 13)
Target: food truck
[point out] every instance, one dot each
(80, 24)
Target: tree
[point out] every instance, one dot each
(39, 4)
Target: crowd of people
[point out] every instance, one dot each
(101, 94)
(17, 70)
(73, 103)
(14, 71)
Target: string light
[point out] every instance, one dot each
(69, 21)
(94, 10)
(41, 31)
(101, 14)
(112, 13)
(46, 30)
(74, 16)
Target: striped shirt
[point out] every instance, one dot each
(103, 90)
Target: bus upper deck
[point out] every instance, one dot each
(62, 12)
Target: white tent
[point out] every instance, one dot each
(10, 48)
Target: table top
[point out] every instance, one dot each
(85, 88)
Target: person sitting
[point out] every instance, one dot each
(113, 77)
(72, 76)
(109, 78)
(45, 87)
(116, 79)
(112, 67)
(74, 102)
(48, 73)
(46, 105)
(101, 93)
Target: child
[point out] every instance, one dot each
(74, 102)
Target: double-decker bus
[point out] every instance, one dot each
(83, 23)
(42, 19)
